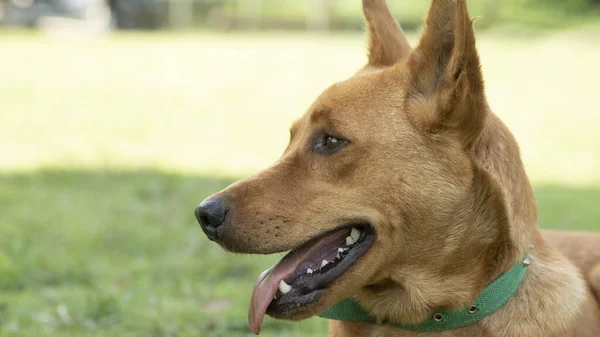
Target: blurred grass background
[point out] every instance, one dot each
(107, 143)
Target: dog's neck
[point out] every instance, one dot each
(496, 152)
(550, 280)
(497, 227)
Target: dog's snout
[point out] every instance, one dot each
(211, 214)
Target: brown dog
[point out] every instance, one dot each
(400, 188)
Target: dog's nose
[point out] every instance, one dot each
(211, 214)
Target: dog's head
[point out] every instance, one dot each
(378, 172)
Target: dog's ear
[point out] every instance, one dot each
(387, 43)
(445, 75)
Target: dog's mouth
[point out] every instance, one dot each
(298, 280)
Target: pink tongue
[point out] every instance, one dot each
(265, 288)
(268, 282)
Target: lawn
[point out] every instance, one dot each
(107, 145)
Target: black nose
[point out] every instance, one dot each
(211, 214)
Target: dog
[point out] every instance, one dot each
(401, 191)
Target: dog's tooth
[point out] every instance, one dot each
(324, 263)
(349, 241)
(338, 256)
(341, 250)
(355, 234)
(284, 287)
(309, 271)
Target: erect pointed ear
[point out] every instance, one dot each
(445, 74)
(387, 43)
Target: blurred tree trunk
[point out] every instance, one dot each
(318, 16)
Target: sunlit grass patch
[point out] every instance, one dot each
(223, 103)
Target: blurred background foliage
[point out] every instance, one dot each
(347, 15)
(288, 14)
(110, 138)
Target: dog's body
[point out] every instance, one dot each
(408, 154)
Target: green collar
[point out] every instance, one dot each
(492, 298)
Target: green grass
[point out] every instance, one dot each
(139, 128)
(99, 253)
(119, 253)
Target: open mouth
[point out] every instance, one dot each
(299, 279)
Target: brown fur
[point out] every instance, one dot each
(440, 179)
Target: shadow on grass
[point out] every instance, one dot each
(96, 253)
(120, 253)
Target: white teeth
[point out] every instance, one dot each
(284, 287)
(324, 263)
(309, 271)
(355, 234)
(342, 250)
(349, 241)
(338, 256)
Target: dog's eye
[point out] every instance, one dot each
(327, 144)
